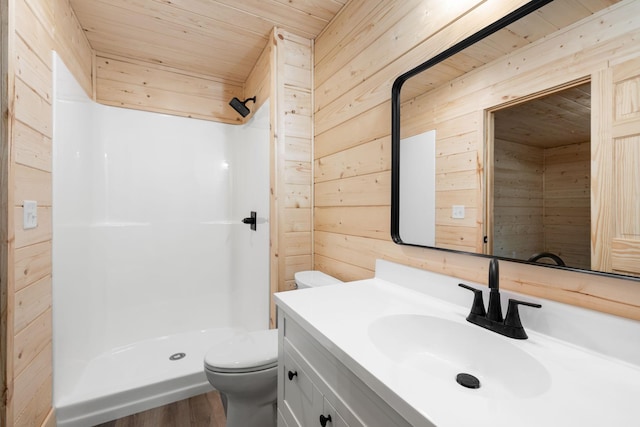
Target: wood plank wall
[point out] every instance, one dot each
(291, 184)
(356, 60)
(124, 82)
(6, 214)
(258, 83)
(35, 28)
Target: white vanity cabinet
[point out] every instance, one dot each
(315, 389)
(387, 351)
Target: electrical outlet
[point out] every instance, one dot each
(457, 211)
(30, 214)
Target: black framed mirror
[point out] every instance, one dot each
(530, 160)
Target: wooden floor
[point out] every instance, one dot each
(204, 410)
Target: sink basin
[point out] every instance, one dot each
(442, 349)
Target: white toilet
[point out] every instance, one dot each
(244, 369)
(313, 279)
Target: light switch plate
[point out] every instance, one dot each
(457, 211)
(30, 214)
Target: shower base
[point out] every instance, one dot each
(140, 376)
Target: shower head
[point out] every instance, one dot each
(240, 106)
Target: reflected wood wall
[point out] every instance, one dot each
(518, 200)
(541, 201)
(567, 203)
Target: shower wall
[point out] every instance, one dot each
(148, 239)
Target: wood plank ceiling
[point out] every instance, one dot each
(224, 38)
(216, 38)
(561, 118)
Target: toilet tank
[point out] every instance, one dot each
(314, 278)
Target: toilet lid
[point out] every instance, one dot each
(245, 352)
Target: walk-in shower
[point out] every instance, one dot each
(150, 255)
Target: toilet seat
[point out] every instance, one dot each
(248, 352)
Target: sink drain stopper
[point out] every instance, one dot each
(468, 380)
(177, 356)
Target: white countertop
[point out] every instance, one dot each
(583, 388)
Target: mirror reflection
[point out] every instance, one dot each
(529, 163)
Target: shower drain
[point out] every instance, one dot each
(177, 356)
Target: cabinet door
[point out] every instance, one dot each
(302, 399)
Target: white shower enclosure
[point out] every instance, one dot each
(148, 239)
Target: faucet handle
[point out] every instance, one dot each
(478, 303)
(512, 319)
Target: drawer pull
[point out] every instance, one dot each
(324, 420)
(292, 374)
